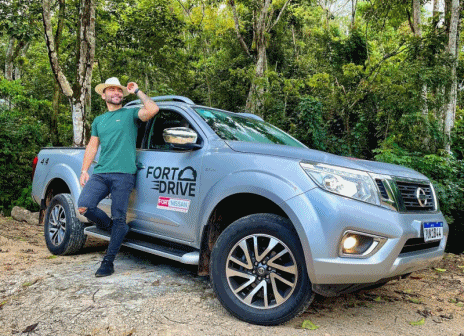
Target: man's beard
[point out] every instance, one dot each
(109, 100)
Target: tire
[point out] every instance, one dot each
(251, 274)
(64, 233)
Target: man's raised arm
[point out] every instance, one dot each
(149, 108)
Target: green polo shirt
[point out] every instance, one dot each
(117, 132)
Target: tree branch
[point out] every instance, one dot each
(53, 57)
(411, 25)
(375, 68)
(183, 7)
(237, 28)
(280, 14)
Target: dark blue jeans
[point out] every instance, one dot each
(119, 185)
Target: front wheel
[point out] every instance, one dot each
(64, 233)
(258, 270)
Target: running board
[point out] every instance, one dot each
(162, 248)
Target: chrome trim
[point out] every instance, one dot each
(395, 200)
(377, 243)
(391, 188)
(435, 199)
(402, 207)
(421, 197)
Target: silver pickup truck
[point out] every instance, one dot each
(270, 220)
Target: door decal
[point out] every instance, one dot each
(173, 204)
(173, 180)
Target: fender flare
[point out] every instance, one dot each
(271, 186)
(69, 177)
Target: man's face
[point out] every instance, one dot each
(113, 95)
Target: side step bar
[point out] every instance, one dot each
(180, 253)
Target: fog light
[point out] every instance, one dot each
(360, 245)
(349, 243)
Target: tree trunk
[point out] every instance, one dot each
(84, 74)
(416, 13)
(54, 117)
(18, 67)
(79, 98)
(436, 8)
(354, 5)
(263, 12)
(417, 30)
(78, 107)
(450, 111)
(57, 91)
(9, 59)
(12, 52)
(237, 28)
(255, 98)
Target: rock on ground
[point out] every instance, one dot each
(21, 214)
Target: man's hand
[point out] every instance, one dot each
(84, 178)
(131, 87)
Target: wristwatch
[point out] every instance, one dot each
(136, 90)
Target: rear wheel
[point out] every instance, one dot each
(64, 233)
(258, 270)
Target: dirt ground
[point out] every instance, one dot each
(41, 294)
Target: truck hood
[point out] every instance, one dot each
(305, 154)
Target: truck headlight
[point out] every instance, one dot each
(346, 182)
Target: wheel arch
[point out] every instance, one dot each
(226, 212)
(61, 179)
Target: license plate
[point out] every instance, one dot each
(433, 231)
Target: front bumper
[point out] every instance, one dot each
(321, 218)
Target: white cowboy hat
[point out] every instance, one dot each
(113, 81)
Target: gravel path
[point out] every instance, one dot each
(41, 294)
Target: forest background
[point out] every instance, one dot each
(377, 80)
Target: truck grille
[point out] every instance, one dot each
(418, 244)
(409, 191)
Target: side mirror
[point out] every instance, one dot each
(181, 138)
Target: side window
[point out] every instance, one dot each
(164, 119)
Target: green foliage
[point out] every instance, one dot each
(458, 135)
(21, 137)
(352, 49)
(25, 200)
(447, 176)
(308, 126)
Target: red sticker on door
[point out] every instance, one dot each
(173, 204)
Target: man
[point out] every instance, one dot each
(116, 132)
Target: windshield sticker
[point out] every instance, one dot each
(173, 180)
(173, 204)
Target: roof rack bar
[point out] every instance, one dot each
(163, 98)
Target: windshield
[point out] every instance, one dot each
(230, 126)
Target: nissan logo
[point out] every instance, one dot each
(421, 197)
